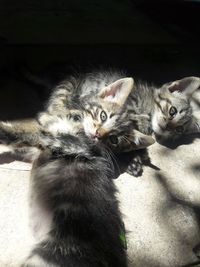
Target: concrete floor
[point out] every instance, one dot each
(160, 209)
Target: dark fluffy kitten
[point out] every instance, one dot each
(75, 213)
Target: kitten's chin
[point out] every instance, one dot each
(92, 138)
(161, 134)
(159, 128)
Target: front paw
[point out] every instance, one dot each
(135, 167)
(37, 261)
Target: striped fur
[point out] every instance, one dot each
(78, 221)
(146, 109)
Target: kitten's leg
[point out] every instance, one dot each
(27, 154)
(139, 141)
(143, 122)
(61, 96)
(135, 167)
(19, 133)
(141, 158)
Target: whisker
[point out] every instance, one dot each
(126, 139)
(112, 158)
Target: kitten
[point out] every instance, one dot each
(22, 137)
(102, 96)
(78, 221)
(169, 108)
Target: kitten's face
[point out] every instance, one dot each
(171, 116)
(103, 111)
(173, 113)
(127, 141)
(105, 121)
(100, 120)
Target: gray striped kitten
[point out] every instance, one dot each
(171, 110)
(103, 98)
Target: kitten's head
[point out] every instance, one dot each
(173, 112)
(104, 110)
(127, 141)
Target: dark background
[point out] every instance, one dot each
(156, 41)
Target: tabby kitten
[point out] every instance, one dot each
(170, 109)
(102, 96)
(75, 213)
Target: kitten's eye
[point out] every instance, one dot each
(103, 116)
(76, 117)
(179, 129)
(113, 139)
(172, 111)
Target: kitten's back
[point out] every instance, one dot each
(86, 223)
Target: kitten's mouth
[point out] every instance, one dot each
(168, 128)
(163, 128)
(93, 137)
(95, 140)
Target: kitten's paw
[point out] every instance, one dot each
(37, 261)
(135, 167)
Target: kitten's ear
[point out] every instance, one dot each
(186, 85)
(118, 91)
(142, 140)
